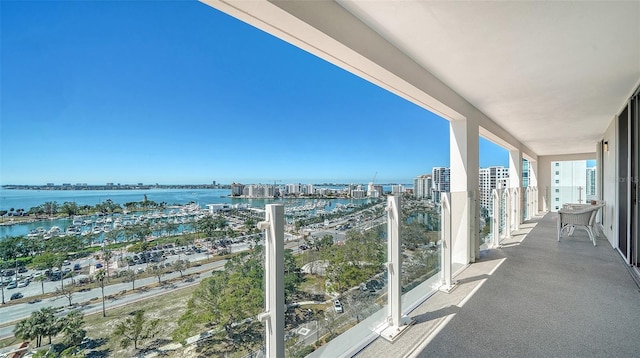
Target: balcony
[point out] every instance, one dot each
(533, 296)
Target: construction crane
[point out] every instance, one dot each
(374, 178)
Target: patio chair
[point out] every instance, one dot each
(583, 216)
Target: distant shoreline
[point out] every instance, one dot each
(113, 187)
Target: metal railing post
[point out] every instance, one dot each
(495, 220)
(516, 208)
(395, 323)
(394, 264)
(507, 213)
(273, 317)
(447, 249)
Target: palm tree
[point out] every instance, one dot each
(107, 255)
(72, 328)
(48, 324)
(100, 277)
(41, 279)
(26, 331)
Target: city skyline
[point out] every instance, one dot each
(179, 93)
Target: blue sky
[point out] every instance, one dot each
(177, 92)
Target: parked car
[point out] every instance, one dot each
(338, 306)
(22, 269)
(98, 265)
(12, 285)
(76, 267)
(23, 283)
(16, 296)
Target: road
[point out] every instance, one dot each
(90, 301)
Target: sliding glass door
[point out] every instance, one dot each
(634, 217)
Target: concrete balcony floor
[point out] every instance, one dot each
(534, 297)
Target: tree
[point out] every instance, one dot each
(141, 232)
(324, 243)
(228, 298)
(66, 292)
(130, 275)
(107, 255)
(157, 271)
(206, 224)
(100, 277)
(50, 208)
(27, 331)
(113, 235)
(171, 228)
(72, 328)
(136, 329)
(49, 260)
(354, 262)
(292, 275)
(40, 324)
(70, 208)
(181, 265)
(41, 279)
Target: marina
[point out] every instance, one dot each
(184, 209)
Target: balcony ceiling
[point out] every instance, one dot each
(552, 74)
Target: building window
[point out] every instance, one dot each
(557, 172)
(557, 164)
(557, 199)
(557, 208)
(557, 190)
(557, 181)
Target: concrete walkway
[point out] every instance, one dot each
(534, 297)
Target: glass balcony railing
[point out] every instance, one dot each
(556, 196)
(365, 296)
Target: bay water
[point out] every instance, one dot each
(26, 199)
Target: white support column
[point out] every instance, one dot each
(515, 183)
(463, 148)
(395, 324)
(496, 194)
(273, 317)
(446, 251)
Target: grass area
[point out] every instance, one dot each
(313, 284)
(167, 307)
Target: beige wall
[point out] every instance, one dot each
(610, 185)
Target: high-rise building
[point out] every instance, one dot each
(422, 186)
(373, 191)
(491, 178)
(441, 182)
(525, 173)
(237, 189)
(397, 189)
(568, 183)
(591, 183)
(358, 194)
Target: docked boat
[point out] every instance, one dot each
(55, 230)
